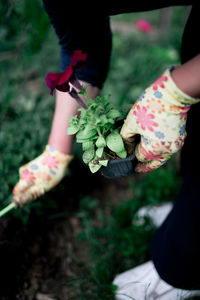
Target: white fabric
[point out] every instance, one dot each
(144, 283)
(157, 214)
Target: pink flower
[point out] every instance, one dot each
(144, 118)
(60, 81)
(50, 161)
(28, 176)
(144, 25)
(159, 82)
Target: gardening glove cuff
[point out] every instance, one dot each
(159, 117)
(40, 175)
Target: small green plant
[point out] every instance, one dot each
(96, 128)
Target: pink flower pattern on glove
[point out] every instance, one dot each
(144, 118)
(28, 176)
(149, 155)
(159, 83)
(50, 161)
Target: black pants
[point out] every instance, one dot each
(175, 248)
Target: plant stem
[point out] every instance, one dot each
(99, 131)
(7, 209)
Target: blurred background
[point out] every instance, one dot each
(73, 241)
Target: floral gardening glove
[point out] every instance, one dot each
(40, 175)
(159, 117)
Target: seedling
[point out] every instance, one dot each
(96, 130)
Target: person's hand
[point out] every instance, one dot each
(159, 117)
(40, 175)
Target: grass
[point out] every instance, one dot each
(114, 243)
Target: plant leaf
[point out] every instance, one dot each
(122, 154)
(72, 129)
(103, 162)
(94, 167)
(113, 114)
(103, 119)
(85, 134)
(111, 121)
(114, 142)
(87, 145)
(88, 155)
(89, 128)
(101, 142)
(86, 140)
(99, 151)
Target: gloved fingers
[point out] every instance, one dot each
(27, 179)
(149, 166)
(127, 133)
(26, 190)
(151, 154)
(20, 187)
(130, 127)
(130, 137)
(29, 195)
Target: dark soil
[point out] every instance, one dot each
(38, 258)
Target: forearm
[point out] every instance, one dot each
(187, 77)
(65, 107)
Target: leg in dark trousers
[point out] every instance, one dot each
(175, 248)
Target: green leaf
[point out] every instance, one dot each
(86, 140)
(71, 119)
(97, 121)
(89, 128)
(111, 121)
(122, 154)
(85, 134)
(99, 152)
(113, 114)
(87, 145)
(114, 142)
(101, 142)
(94, 167)
(88, 155)
(103, 119)
(83, 91)
(82, 121)
(72, 129)
(103, 162)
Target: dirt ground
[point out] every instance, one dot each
(36, 259)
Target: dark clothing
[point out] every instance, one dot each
(90, 33)
(89, 29)
(175, 248)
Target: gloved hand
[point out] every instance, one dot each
(40, 175)
(159, 117)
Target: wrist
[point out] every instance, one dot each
(187, 77)
(173, 94)
(184, 83)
